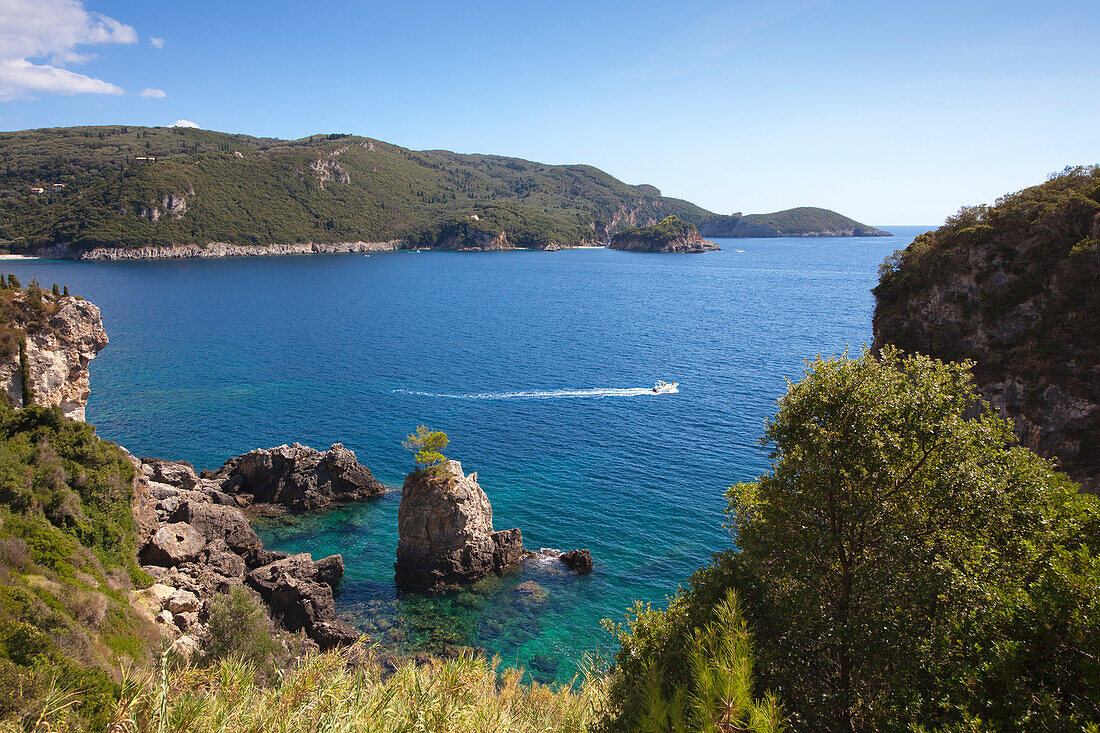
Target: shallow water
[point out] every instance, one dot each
(538, 366)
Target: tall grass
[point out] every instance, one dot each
(350, 691)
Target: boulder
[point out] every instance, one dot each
(445, 527)
(179, 474)
(217, 522)
(297, 477)
(222, 560)
(299, 593)
(327, 571)
(579, 561)
(173, 544)
(258, 557)
(182, 601)
(331, 634)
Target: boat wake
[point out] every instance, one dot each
(543, 394)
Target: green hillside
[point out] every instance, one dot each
(138, 186)
(213, 187)
(803, 221)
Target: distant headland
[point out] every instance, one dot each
(124, 192)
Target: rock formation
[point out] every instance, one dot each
(195, 540)
(445, 526)
(61, 334)
(579, 561)
(1013, 288)
(296, 477)
(670, 235)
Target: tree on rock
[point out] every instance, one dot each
(427, 447)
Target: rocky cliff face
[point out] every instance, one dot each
(445, 526)
(1013, 287)
(55, 337)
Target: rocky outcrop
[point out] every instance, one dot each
(299, 592)
(60, 335)
(296, 477)
(445, 527)
(670, 235)
(213, 249)
(1013, 288)
(197, 543)
(579, 561)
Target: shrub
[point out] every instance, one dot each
(238, 627)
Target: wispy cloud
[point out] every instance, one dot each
(156, 42)
(49, 32)
(183, 123)
(150, 93)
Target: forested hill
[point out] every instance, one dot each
(803, 221)
(120, 186)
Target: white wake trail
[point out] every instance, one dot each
(543, 394)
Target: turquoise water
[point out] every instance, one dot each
(536, 364)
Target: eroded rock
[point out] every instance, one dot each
(445, 526)
(298, 477)
(173, 544)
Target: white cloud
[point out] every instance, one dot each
(20, 76)
(153, 93)
(51, 31)
(156, 42)
(183, 123)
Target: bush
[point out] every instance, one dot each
(902, 565)
(239, 627)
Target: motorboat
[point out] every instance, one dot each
(663, 387)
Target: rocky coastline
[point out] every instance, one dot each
(196, 541)
(213, 250)
(671, 235)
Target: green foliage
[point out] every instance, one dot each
(427, 447)
(319, 189)
(903, 564)
(67, 552)
(1013, 288)
(663, 232)
(718, 694)
(238, 627)
(801, 221)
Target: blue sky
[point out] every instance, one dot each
(893, 113)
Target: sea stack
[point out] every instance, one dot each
(445, 527)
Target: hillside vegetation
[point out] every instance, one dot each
(1013, 286)
(803, 221)
(138, 186)
(67, 562)
(213, 187)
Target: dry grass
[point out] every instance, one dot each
(348, 691)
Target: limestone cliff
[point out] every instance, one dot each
(46, 344)
(445, 527)
(1014, 287)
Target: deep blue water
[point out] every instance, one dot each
(534, 363)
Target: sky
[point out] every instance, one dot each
(889, 112)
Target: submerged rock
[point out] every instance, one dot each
(297, 477)
(445, 526)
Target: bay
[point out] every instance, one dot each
(536, 364)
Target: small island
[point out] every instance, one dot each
(671, 235)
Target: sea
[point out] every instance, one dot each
(539, 366)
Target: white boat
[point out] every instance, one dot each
(662, 387)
